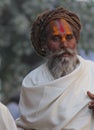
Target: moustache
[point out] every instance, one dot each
(66, 51)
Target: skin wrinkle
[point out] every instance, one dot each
(62, 25)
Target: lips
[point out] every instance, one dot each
(66, 54)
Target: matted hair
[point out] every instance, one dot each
(41, 22)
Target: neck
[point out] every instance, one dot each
(61, 67)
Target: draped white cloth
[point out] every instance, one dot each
(6, 120)
(61, 104)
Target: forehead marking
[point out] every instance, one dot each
(55, 30)
(61, 26)
(66, 26)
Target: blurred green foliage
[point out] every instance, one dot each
(17, 56)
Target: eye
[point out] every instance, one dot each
(69, 36)
(56, 38)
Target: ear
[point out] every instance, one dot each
(45, 49)
(43, 44)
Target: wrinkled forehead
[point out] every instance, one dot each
(60, 25)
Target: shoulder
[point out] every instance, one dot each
(35, 76)
(87, 62)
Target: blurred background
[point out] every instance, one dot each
(17, 56)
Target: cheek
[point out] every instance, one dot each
(72, 44)
(53, 47)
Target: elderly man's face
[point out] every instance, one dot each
(61, 48)
(60, 37)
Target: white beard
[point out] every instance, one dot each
(60, 66)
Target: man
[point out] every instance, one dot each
(56, 95)
(6, 120)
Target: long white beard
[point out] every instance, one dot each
(60, 66)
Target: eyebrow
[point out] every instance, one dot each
(69, 34)
(58, 34)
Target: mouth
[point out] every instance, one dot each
(65, 54)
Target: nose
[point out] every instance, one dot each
(64, 42)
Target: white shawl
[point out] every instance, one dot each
(61, 104)
(6, 119)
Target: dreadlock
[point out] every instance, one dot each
(45, 18)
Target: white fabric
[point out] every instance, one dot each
(6, 120)
(61, 104)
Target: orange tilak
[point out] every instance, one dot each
(66, 27)
(56, 31)
(63, 27)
